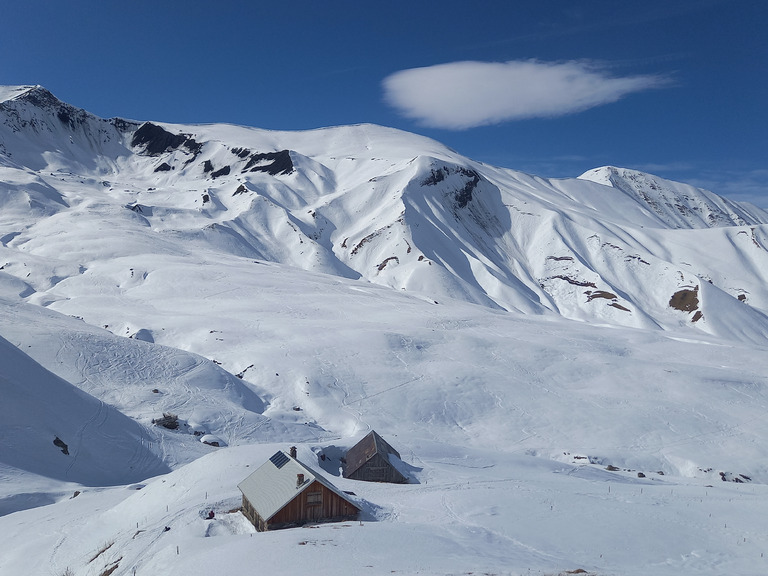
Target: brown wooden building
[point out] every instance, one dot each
(373, 460)
(283, 493)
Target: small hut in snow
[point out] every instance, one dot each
(373, 460)
(283, 493)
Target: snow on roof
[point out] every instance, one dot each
(274, 484)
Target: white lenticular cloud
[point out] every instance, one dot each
(463, 95)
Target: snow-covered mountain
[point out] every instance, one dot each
(513, 336)
(614, 246)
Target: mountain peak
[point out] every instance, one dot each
(676, 204)
(601, 175)
(21, 101)
(38, 96)
(14, 92)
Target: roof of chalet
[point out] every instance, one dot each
(273, 485)
(366, 449)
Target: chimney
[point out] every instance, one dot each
(299, 479)
(293, 451)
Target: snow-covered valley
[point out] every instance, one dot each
(573, 370)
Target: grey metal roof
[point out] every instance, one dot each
(273, 484)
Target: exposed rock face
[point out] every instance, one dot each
(221, 172)
(273, 163)
(59, 443)
(157, 140)
(676, 204)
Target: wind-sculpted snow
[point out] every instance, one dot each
(573, 371)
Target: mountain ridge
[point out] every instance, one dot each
(677, 205)
(391, 208)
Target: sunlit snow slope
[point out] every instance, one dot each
(573, 370)
(614, 246)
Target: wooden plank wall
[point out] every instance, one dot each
(250, 513)
(304, 508)
(378, 469)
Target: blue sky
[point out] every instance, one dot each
(551, 87)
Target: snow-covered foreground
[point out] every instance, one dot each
(573, 371)
(474, 511)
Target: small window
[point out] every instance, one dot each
(314, 498)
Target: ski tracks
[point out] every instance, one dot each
(98, 419)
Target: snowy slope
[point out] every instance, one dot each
(484, 512)
(677, 205)
(573, 370)
(366, 202)
(51, 428)
(144, 381)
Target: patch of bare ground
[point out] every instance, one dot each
(561, 258)
(685, 300)
(109, 569)
(387, 261)
(362, 242)
(574, 281)
(636, 258)
(604, 294)
(592, 294)
(104, 548)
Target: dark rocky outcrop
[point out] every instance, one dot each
(272, 163)
(241, 152)
(59, 443)
(435, 177)
(463, 195)
(169, 421)
(157, 140)
(123, 125)
(67, 114)
(221, 172)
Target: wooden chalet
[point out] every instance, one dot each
(283, 493)
(371, 460)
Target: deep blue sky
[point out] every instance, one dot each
(307, 64)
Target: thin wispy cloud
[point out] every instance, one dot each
(463, 95)
(740, 185)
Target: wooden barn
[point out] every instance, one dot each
(371, 460)
(283, 493)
